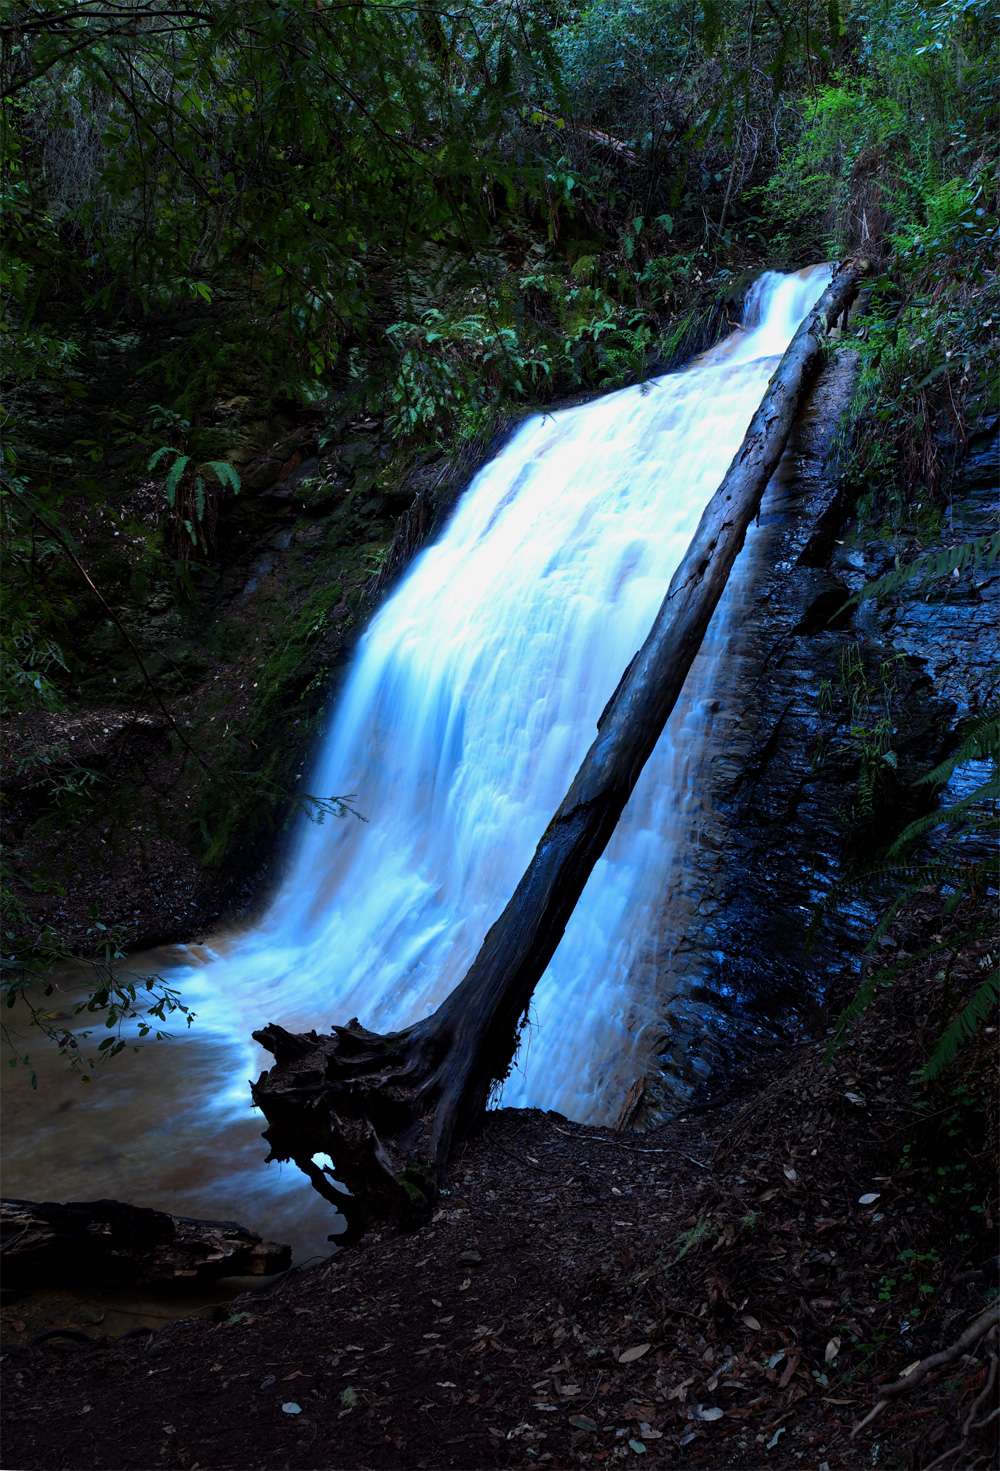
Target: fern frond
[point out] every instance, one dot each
(174, 477)
(931, 567)
(960, 816)
(980, 742)
(963, 1027)
(882, 976)
(227, 475)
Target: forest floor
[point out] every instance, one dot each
(727, 1290)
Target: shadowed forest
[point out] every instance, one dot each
(500, 695)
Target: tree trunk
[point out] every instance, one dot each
(81, 1243)
(387, 1108)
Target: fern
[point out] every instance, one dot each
(174, 477)
(980, 1007)
(227, 475)
(158, 455)
(883, 976)
(190, 506)
(980, 742)
(931, 567)
(962, 816)
(975, 813)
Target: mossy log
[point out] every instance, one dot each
(386, 1109)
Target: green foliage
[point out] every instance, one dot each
(31, 657)
(192, 505)
(240, 799)
(457, 374)
(981, 1008)
(866, 699)
(895, 159)
(194, 154)
(130, 1009)
(926, 366)
(925, 571)
(964, 826)
(811, 190)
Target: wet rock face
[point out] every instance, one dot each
(823, 717)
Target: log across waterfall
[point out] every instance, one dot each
(386, 1107)
(471, 701)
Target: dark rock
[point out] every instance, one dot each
(979, 465)
(778, 820)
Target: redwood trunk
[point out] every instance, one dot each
(387, 1108)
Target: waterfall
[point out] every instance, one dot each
(471, 700)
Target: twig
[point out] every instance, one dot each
(945, 1457)
(638, 1148)
(988, 1321)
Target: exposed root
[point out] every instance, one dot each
(373, 1104)
(985, 1328)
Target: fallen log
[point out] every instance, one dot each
(386, 1109)
(107, 1242)
(614, 145)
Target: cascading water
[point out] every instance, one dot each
(473, 696)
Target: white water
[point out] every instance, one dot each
(472, 698)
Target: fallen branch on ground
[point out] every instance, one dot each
(988, 1322)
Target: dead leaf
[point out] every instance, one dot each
(630, 1355)
(832, 1350)
(786, 1377)
(869, 1199)
(751, 1322)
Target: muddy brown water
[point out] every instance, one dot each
(150, 1128)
